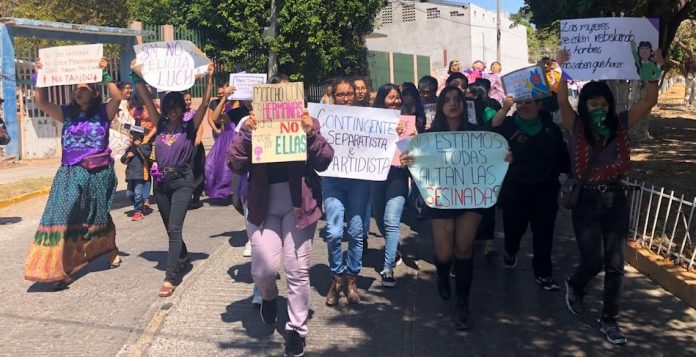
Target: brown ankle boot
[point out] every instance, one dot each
(352, 286)
(334, 293)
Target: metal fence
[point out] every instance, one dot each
(663, 223)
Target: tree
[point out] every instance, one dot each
(683, 58)
(541, 43)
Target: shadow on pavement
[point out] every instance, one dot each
(9, 220)
(160, 257)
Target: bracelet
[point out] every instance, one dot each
(106, 76)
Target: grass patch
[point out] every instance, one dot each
(18, 188)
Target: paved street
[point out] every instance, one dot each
(111, 312)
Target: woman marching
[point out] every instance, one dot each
(174, 145)
(454, 230)
(284, 206)
(76, 226)
(600, 157)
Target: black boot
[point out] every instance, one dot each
(443, 283)
(464, 269)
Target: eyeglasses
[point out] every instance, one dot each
(344, 94)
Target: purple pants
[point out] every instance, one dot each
(279, 236)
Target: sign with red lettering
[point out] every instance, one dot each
(69, 65)
(459, 169)
(279, 136)
(170, 66)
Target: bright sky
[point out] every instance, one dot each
(510, 6)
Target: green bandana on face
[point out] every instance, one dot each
(530, 128)
(599, 122)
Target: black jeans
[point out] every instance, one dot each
(600, 221)
(173, 199)
(198, 165)
(486, 229)
(536, 205)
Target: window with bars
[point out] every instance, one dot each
(387, 14)
(408, 13)
(433, 13)
(456, 14)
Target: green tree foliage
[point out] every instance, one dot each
(91, 12)
(541, 43)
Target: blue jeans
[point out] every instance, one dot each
(345, 199)
(146, 190)
(136, 192)
(388, 198)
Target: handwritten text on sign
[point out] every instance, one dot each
(461, 169)
(279, 136)
(363, 139)
(170, 66)
(70, 65)
(526, 84)
(600, 48)
(244, 82)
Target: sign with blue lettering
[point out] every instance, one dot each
(170, 66)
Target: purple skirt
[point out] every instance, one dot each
(218, 176)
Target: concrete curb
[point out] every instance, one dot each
(21, 198)
(673, 278)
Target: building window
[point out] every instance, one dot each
(387, 17)
(433, 13)
(408, 13)
(456, 14)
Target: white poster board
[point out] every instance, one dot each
(66, 65)
(601, 48)
(244, 82)
(363, 139)
(170, 66)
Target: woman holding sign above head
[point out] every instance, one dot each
(600, 157)
(174, 146)
(76, 226)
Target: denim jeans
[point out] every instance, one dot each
(345, 200)
(600, 221)
(388, 198)
(173, 199)
(146, 190)
(136, 193)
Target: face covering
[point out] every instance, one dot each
(530, 128)
(599, 122)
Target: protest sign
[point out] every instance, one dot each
(119, 143)
(244, 82)
(409, 130)
(459, 169)
(69, 65)
(279, 136)
(430, 110)
(610, 48)
(170, 66)
(526, 84)
(363, 139)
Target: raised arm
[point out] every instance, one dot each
(567, 113)
(643, 108)
(218, 111)
(114, 92)
(41, 98)
(144, 94)
(200, 114)
(502, 113)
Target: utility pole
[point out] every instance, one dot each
(497, 25)
(273, 33)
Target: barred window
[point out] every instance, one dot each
(408, 13)
(433, 13)
(455, 14)
(387, 14)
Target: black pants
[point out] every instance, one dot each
(600, 221)
(486, 229)
(173, 199)
(198, 166)
(537, 205)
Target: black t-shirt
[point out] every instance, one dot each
(237, 114)
(277, 172)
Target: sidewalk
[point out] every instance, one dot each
(511, 315)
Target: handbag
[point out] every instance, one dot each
(97, 161)
(569, 194)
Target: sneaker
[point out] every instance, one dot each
(247, 250)
(138, 216)
(294, 344)
(269, 311)
(547, 283)
(398, 261)
(611, 330)
(256, 300)
(573, 301)
(509, 260)
(388, 279)
(489, 249)
(452, 272)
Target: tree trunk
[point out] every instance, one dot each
(626, 95)
(272, 55)
(691, 90)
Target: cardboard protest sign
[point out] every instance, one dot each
(459, 169)
(244, 82)
(69, 65)
(279, 136)
(363, 139)
(409, 130)
(526, 84)
(119, 143)
(610, 48)
(170, 66)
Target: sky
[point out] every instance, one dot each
(510, 6)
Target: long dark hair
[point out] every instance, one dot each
(409, 89)
(594, 90)
(440, 121)
(383, 92)
(172, 100)
(365, 102)
(95, 103)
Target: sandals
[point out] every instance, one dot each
(166, 290)
(115, 260)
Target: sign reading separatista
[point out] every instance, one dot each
(279, 136)
(526, 84)
(363, 139)
(459, 169)
(170, 66)
(66, 65)
(610, 48)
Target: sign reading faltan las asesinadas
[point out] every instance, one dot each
(279, 136)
